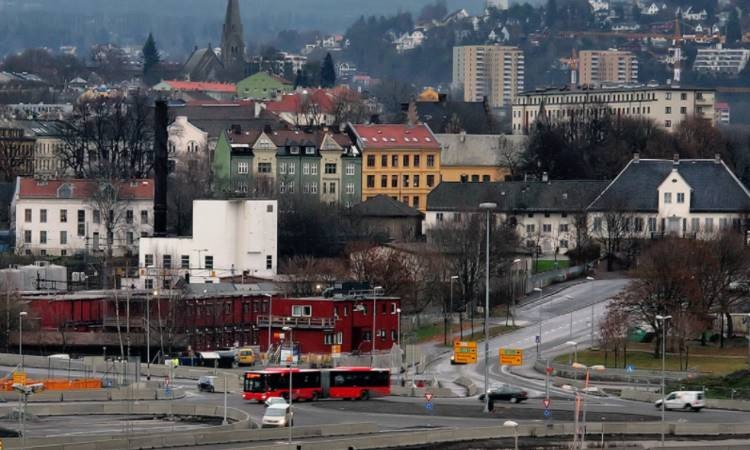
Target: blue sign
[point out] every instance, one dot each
(428, 405)
(547, 413)
(168, 392)
(629, 368)
(538, 339)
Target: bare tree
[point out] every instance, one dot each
(510, 157)
(189, 182)
(349, 107)
(16, 155)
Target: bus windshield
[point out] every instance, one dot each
(255, 382)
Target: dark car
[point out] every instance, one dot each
(207, 383)
(506, 392)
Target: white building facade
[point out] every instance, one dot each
(62, 217)
(186, 141)
(730, 61)
(230, 238)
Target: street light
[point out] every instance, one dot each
(374, 316)
(573, 344)
(270, 316)
(579, 402)
(663, 320)
(513, 292)
(514, 425)
(148, 334)
(592, 315)
(541, 319)
(21, 315)
(291, 396)
(487, 207)
(450, 312)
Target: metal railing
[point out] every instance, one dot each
(297, 322)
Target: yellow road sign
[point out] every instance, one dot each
(19, 377)
(336, 350)
(464, 352)
(511, 356)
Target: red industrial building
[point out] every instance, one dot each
(84, 322)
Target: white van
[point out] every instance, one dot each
(685, 400)
(277, 415)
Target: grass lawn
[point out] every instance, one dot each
(547, 265)
(718, 363)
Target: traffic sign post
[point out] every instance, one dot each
(428, 397)
(546, 402)
(511, 356)
(465, 352)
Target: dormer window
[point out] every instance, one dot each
(309, 150)
(294, 150)
(65, 191)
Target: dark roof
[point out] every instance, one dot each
(473, 116)
(214, 119)
(516, 196)
(713, 186)
(383, 206)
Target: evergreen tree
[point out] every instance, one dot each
(327, 73)
(151, 61)
(734, 30)
(550, 13)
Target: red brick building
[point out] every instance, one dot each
(84, 322)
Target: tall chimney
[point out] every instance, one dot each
(161, 167)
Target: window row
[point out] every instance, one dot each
(406, 160)
(96, 216)
(407, 181)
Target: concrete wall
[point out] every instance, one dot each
(652, 396)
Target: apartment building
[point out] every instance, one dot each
(667, 106)
(400, 161)
(727, 61)
(64, 217)
(493, 72)
(607, 66)
(49, 139)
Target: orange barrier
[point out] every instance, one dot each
(59, 384)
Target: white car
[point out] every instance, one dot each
(685, 400)
(277, 415)
(274, 401)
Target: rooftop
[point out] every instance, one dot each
(29, 188)
(395, 136)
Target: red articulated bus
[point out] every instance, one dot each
(312, 384)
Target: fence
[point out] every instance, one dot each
(635, 376)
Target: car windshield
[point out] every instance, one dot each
(276, 412)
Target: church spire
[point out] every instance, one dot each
(232, 38)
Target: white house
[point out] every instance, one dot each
(185, 140)
(599, 5)
(684, 198)
(409, 41)
(66, 217)
(652, 10)
(230, 237)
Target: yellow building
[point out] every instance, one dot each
(400, 161)
(428, 95)
(472, 158)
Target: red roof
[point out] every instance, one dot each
(722, 105)
(81, 189)
(324, 98)
(396, 136)
(201, 86)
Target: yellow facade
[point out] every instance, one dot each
(428, 95)
(404, 175)
(473, 173)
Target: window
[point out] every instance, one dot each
(144, 217)
(282, 168)
(709, 225)
(667, 197)
(264, 167)
(416, 181)
(309, 150)
(430, 180)
(294, 150)
(27, 236)
(43, 215)
(394, 181)
(405, 181)
(416, 160)
(547, 227)
(148, 283)
(330, 169)
(306, 188)
(314, 169)
(63, 216)
(63, 237)
(63, 252)
(185, 262)
(97, 216)
(129, 238)
(667, 124)
(292, 168)
(383, 160)
(306, 169)
(350, 169)
(430, 160)
(723, 224)
(683, 96)
(638, 224)
(242, 167)
(563, 228)
(282, 187)
(384, 181)
(530, 228)
(269, 262)
(314, 188)
(370, 181)
(406, 160)
(680, 197)
(290, 187)
(209, 261)
(563, 243)
(370, 160)
(81, 229)
(301, 310)
(668, 96)
(42, 237)
(415, 202)
(597, 224)
(332, 187)
(148, 260)
(166, 261)
(394, 161)
(667, 110)
(683, 110)
(652, 224)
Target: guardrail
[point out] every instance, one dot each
(296, 322)
(612, 374)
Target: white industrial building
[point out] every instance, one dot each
(230, 237)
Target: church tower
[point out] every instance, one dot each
(232, 41)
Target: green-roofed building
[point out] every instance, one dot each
(263, 86)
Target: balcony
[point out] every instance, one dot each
(313, 323)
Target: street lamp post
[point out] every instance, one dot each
(487, 207)
(747, 322)
(513, 293)
(374, 316)
(450, 311)
(541, 319)
(663, 320)
(573, 344)
(514, 425)
(270, 317)
(291, 396)
(148, 335)
(21, 315)
(579, 402)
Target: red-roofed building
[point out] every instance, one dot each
(178, 89)
(398, 160)
(65, 217)
(310, 106)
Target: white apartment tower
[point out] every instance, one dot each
(488, 71)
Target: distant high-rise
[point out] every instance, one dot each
(488, 71)
(607, 66)
(232, 39)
